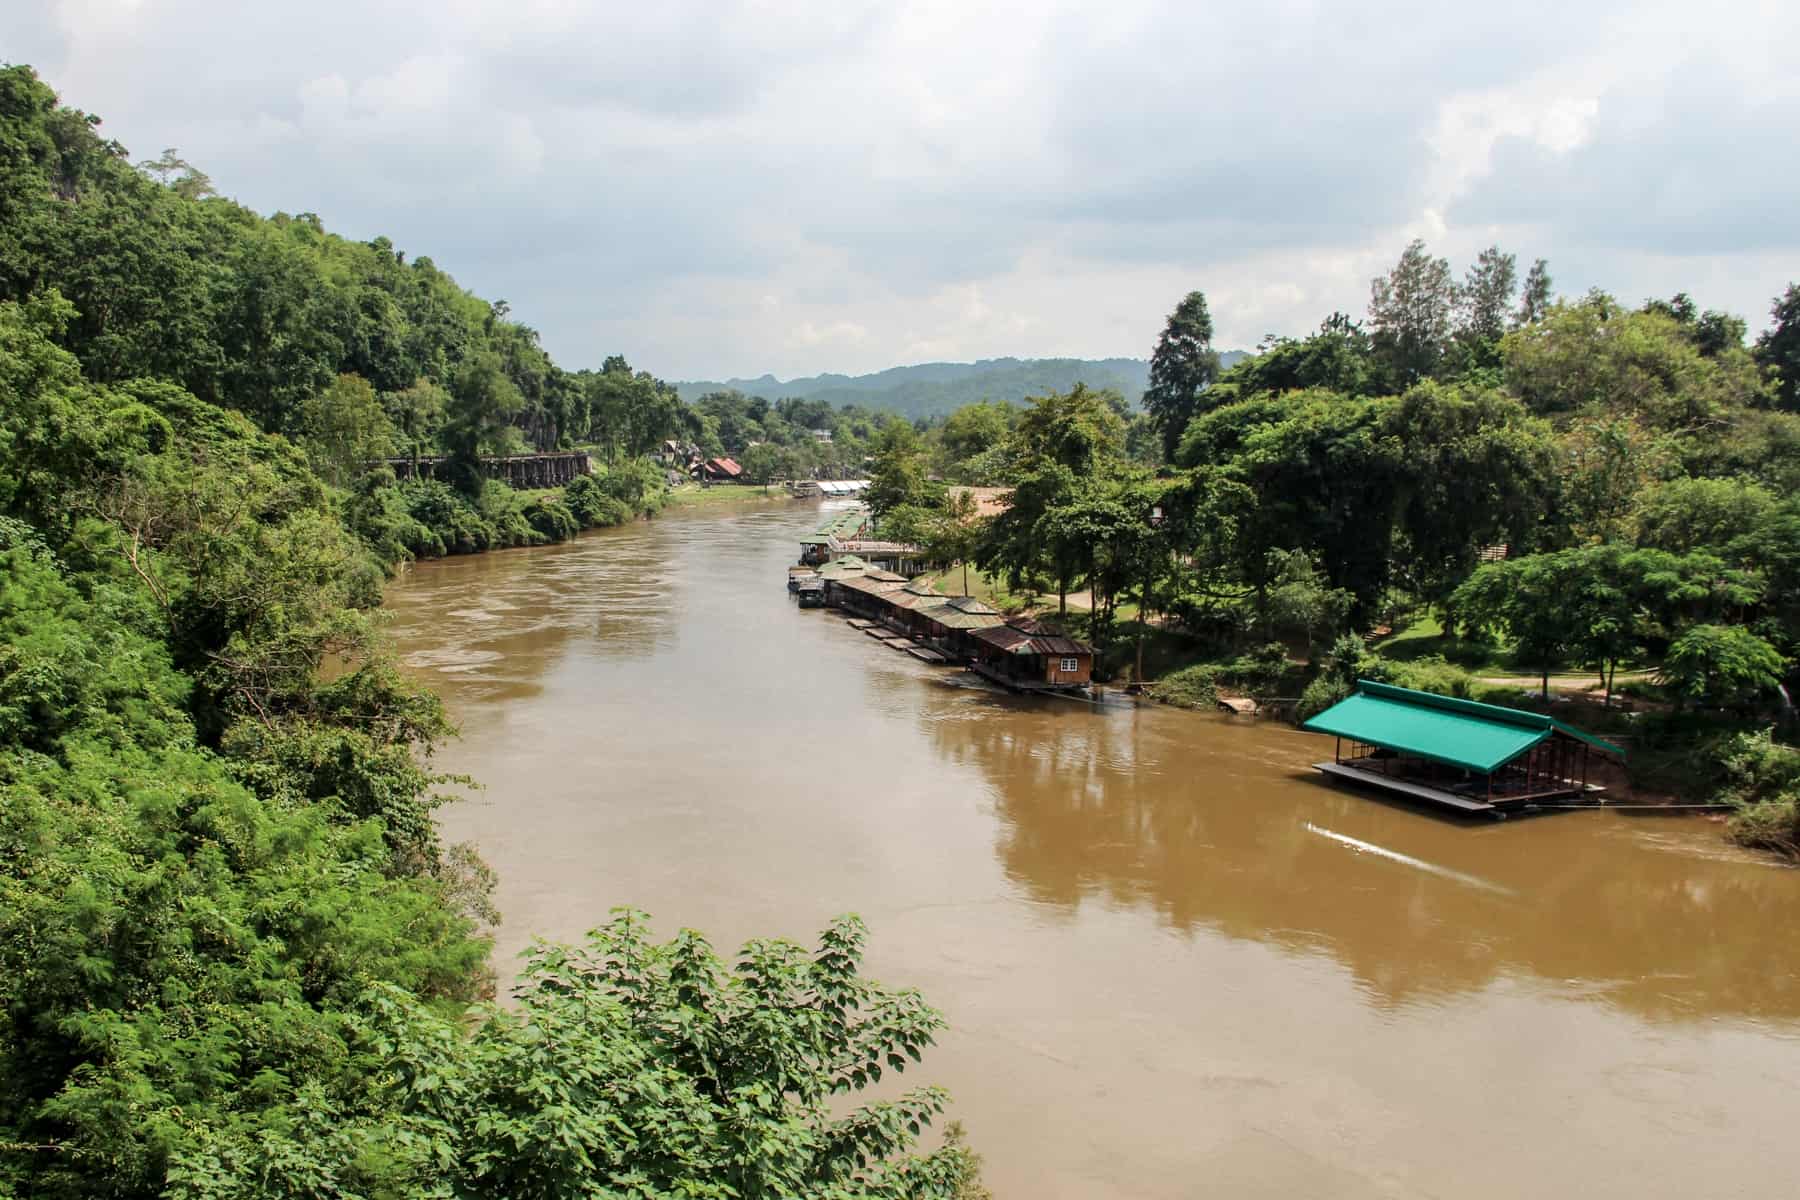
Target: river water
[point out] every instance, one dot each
(1174, 962)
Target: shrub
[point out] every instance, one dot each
(592, 505)
(551, 519)
(455, 526)
(1320, 695)
(1190, 687)
(1261, 671)
(1426, 675)
(1762, 781)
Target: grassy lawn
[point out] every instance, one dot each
(724, 495)
(990, 590)
(1424, 638)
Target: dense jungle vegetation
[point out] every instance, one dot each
(1476, 482)
(235, 958)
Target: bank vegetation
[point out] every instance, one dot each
(1477, 488)
(236, 959)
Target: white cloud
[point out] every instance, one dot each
(717, 188)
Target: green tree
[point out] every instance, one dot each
(179, 175)
(1591, 358)
(1693, 514)
(1721, 664)
(1475, 469)
(955, 535)
(628, 1067)
(1299, 603)
(1599, 604)
(1524, 598)
(344, 429)
(975, 429)
(418, 412)
(482, 403)
(1484, 302)
(901, 474)
(633, 412)
(1080, 430)
(1338, 358)
(1182, 367)
(1410, 314)
(1778, 348)
(1535, 296)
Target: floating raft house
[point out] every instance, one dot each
(1457, 754)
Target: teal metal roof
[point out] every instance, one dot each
(1462, 733)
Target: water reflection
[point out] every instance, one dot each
(1219, 825)
(1167, 953)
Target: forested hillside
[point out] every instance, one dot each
(236, 959)
(934, 390)
(1480, 480)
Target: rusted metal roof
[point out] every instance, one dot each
(972, 606)
(910, 600)
(1014, 640)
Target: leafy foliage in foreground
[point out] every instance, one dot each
(175, 951)
(628, 1068)
(235, 958)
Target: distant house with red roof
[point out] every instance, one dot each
(720, 470)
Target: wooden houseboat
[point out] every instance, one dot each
(1460, 755)
(1028, 656)
(864, 592)
(950, 622)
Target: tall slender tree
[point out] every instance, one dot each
(1535, 296)
(1183, 366)
(1778, 349)
(1410, 311)
(1485, 298)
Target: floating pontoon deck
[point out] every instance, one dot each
(1479, 759)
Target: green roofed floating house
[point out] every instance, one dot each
(1458, 754)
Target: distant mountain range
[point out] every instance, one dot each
(933, 389)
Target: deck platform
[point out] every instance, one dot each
(860, 623)
(926, 654)
(1573, 792)
(1411, 791)
(1023, 686)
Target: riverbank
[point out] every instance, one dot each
(657, 725)
(724, 495)
(1678, 755)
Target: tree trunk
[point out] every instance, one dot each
(1545, 693)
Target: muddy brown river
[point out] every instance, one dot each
(1174, 961)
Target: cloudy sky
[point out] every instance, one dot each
(720, 188)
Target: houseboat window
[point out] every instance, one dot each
(1071, 664)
